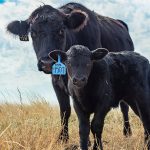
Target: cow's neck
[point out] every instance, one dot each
(70, 39)
(61, 81)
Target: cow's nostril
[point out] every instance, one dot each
(74, 80)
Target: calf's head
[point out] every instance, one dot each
(48, 28)
(79, 62)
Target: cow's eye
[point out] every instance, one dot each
(61, 32)
(33, 34)
(42, 33)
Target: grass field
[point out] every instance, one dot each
(36, 127)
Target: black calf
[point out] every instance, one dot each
(110, 78)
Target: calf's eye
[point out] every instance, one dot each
(68, 63)
(88, 65)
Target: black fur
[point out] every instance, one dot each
(61, 28)
(114, 77)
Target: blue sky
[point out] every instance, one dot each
(18, 61)
(2, 1)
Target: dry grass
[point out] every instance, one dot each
(36, 127)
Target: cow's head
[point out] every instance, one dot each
(79, 61)
(48, 27)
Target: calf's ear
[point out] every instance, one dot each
(99, 53)
(19, 28)
(76, 20)
(54, 55)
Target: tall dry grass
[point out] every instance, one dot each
(36, 127)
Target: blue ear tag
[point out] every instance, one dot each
(59, 68)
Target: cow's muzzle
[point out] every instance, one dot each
(45, 65)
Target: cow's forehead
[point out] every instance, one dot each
(44, 13)
(52, 17)
(42, 9)
(78, 50)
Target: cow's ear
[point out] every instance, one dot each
(19, 28)
(54, 55)
(76, 20)
(99, 53)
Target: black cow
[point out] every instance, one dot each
(61, 28)
(98, 81)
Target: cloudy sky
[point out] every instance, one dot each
(18, 67)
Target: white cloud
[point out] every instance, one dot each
(17, 59)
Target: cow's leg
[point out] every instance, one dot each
(125, 109)
(84, 126)
(97, 126)
(65, 111)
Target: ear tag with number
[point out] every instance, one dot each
(59, 68)
(24, 38)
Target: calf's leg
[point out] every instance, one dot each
(84, 126)
(125, 110)
(141, 108)
(65, 111)
(145, 118)
(97, 127)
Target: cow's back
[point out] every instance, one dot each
(114, 35)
